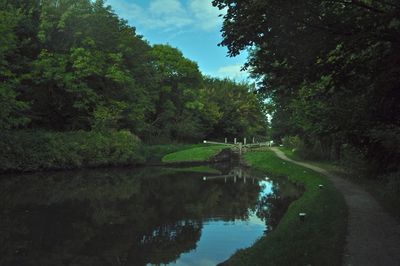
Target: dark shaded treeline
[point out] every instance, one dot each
(68, 65)
(331, 70)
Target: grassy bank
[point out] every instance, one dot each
(154, 153)
(29, 151)
(194, 154)
(385, 189)
(25, 151)
(318, 240)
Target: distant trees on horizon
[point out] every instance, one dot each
(75, 65)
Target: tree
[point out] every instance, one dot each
(176, 101)
(236, 110)
(87, 57)
(11, 112)
(75, 65)
(331, 66)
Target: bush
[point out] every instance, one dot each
(40, 150)
(291, 142)
(312, 152)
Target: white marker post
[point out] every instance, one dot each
(302, 216)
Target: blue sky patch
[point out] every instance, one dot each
(192, 26)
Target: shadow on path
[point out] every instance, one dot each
(373, 237)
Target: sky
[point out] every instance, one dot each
(192, 26)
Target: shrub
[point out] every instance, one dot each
(314, 151)
(291, 142)
(40, 150)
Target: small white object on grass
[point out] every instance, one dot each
(302, 215)
(321, 186)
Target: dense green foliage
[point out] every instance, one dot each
(331, 70)
(231, 111)
(33, 151)
(70, 65)
(316, 241)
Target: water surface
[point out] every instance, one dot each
(145, 216)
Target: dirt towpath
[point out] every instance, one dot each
(373, 237)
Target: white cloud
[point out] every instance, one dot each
(124, 9)
(206, 15)
(232, 71)
(170, 15)
(167, 14)
(166, 7)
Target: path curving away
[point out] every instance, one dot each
(373, 237)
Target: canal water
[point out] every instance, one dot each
(137, 216)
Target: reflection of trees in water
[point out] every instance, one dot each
(269, 207)
(112, 218)
(168, 241)
(272, 207)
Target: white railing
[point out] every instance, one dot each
(242, 145)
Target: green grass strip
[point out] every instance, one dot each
(318, 240)
(194, 154)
